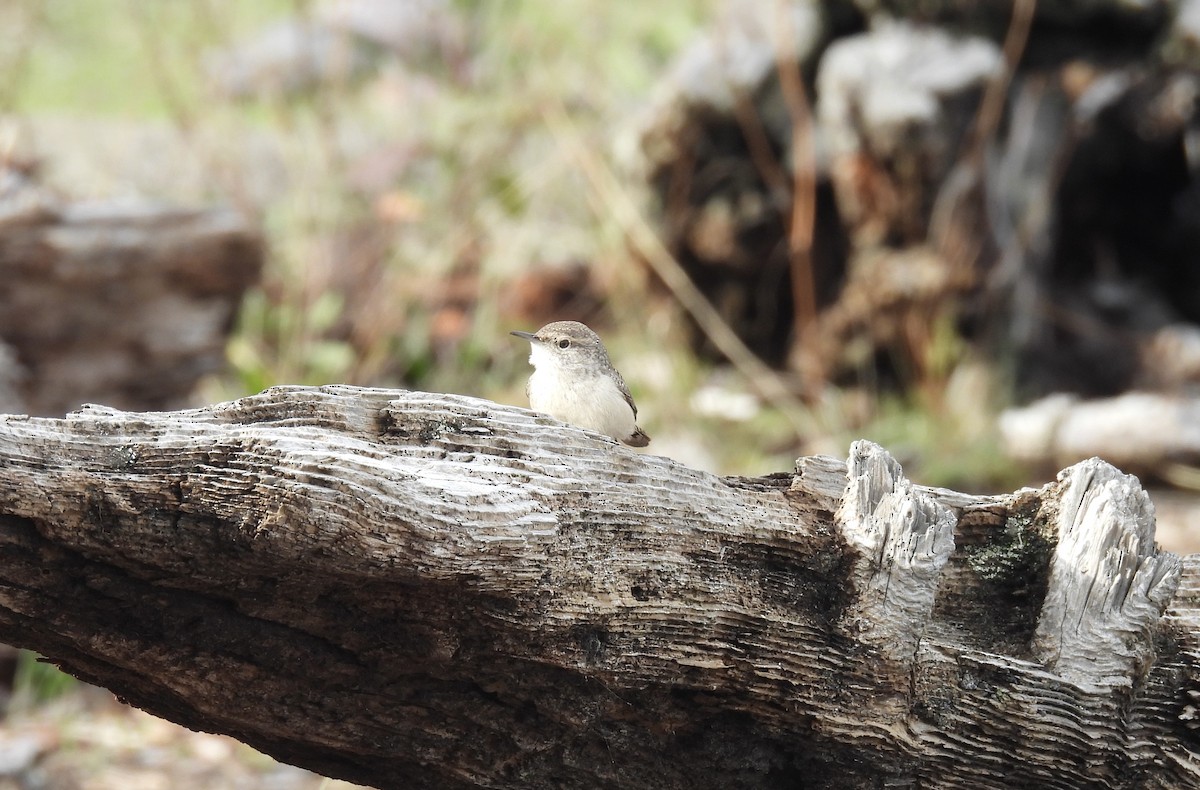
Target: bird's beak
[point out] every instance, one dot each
(530, 336)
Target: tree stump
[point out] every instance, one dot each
(409, 589)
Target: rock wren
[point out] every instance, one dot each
(574, 381)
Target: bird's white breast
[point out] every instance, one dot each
(578, 396)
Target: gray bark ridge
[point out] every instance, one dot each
(412, 589)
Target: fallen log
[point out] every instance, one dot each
(409, 589)
(129, 304)
(1148, 432)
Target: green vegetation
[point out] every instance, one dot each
(37, 681)
(98, 57)
(1019, 556)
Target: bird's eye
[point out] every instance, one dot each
(564, 343)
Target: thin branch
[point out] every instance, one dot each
(968, 172)
(991, 106)
(802, 225)
(758, 145)
(184, 116)
(22, 39)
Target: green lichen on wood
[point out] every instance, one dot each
(1017, 556)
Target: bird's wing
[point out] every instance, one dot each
(625, 393)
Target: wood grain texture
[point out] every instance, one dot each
(409, 589)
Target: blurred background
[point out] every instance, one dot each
(966, 230)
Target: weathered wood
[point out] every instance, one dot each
(1147, 432)
(1026, 161)
(11, 375)
(406, 589)
(127, 304)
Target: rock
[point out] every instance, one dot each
(287, 58)
(341, 43)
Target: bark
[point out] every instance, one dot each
(405, 589)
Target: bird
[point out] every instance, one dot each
(574, 381)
